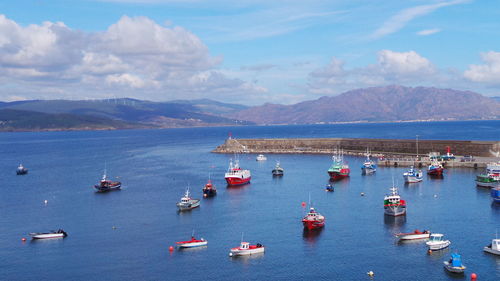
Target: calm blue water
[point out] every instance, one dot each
(125, 235)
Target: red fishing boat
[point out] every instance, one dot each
(209, 190)
(236, 176)
(339, 169)
(435, 168)
(313, 220)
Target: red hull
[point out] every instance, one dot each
(237, 181)
(338, 176)
(312, 224)
(435, 172)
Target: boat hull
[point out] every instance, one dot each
(412, 179)
(47, 235)
(398, 210)
(108, 187)
(454, 269)
(277, 172)
(338, 175)
(492, 251)
(435, 172)
(209, 192)
(245, 252)
(487, 184)
(232, 181)
(186, 207)
(21, 172)
(313, 224)
(413, 236)
(495, 194)
(438, 246)
(368, 170)
(192, 244)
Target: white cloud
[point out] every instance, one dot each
(403, 17)
(426, 32)
(134, 57)
(489, 72)
(404, 63)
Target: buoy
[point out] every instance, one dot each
(435, 195)
(171, 249)
(303, 204)
(429, 252)
(113, 227)
(46, 201)
(473, 276)
(230, 254)
(23, 239)
(370, 273)
(362, 194)
(204, 195)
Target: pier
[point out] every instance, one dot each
(391, 152)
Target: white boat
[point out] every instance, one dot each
(246, 249)
(437, 242)
(261, 157)
(413, 176)
(188, 203)
(237, 176)
(393, 204)
(455, 264)
(278, 170)
(494, 247)
(21, 170)
(414, 235)
(49, 235)
(192, 243)
(368, 167)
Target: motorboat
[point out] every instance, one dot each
(209, 189)
(107, 185)
(393, 204)
(491, 178)
(329, 187)
(412, 175)
(237, 176)
(435, 168)
(246, 248)
(494, 247)
(49, 235)
(261, 157)
(455, 264)
(313, 220)
(188, 203)
(192, 243)
(21, 170)
(278, 170)
(437, 242)
(417, 234)
(495, 194)
(338, 170)
(368, 167)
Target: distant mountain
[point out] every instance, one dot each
(213, 107)
(496, 98)
(155, 114)
(390, 103)
(21, 120)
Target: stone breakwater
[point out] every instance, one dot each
(358, 146)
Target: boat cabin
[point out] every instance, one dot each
(245, 245)
(495, 244)
(456, 260)
(436, 237)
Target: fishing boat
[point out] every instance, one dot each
(192, 243)
(329, 187)
(494, 247)
(435, 168)
(338, 170)
(49, 235)
(246, 248)
(368, 167)
(455, 264)
(495, 194)
(188, 203)
(21, 170)
(235, 175)
(107, 185)
(417, 234)
(313, 220)
(437, 242)
(393, 204)
(412, 175)
(278, 170)
(261, 157)
(209, 189)
(491, 178)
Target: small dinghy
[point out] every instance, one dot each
(192, 243)
(329, 188)
(278, 171)
(455, 264)
(21, 170)
(247, 249)
(437, 242)
(414, 235)
(261, 157)
(49, 235)
(494, 247)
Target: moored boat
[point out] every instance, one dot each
(49, 235)
(192, 243)
(495, 194)
(261, 157)
(107, 185)
(188, 203)
(338, 170)
(412, 175)
(236, 176)
(393, 204)
(209, 189)
(246, 248)
(455, 264)
(278, 170)
(368, 167)
(494, 247)
(329, 187)
(313, 220)
(435, 168)
(491, 178)
(414, 235)
(437, 242)
(21, 170)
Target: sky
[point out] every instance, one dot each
(247, 51)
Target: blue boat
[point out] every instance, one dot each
(455, 264)
(329, 187)
(495, 194)
(368, 167)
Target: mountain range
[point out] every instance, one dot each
(389, 103)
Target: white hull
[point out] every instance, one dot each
(438, 246)
(368, 171)
(487, 184)
(413, 236)
(491, 251)
(244, 252)
(192, 205)
(47, 235)
(192, 245)
(395, 210)
(412, 179)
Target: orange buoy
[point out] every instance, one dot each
(429, 252)
(23, 239)
(171, 248)
(473, 276)
(303, 204)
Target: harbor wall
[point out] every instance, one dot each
(359, 145)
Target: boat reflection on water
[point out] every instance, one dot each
(394, 223)
(245, 259)
(311, 235)
(192, 249)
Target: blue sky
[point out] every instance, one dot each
(244, 51)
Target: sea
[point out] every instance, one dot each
(126, 234)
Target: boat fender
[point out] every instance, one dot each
(230, 254)
(171, 249)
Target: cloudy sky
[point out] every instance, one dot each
(245, 51)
